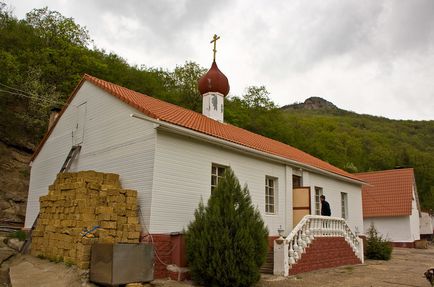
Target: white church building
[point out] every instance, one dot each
(174, 157)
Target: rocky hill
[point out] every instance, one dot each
(312, 103)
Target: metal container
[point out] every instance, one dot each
(115, 264)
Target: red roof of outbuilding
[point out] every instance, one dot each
(179, 116)
(389, 193)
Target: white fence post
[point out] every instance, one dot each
(281, 258)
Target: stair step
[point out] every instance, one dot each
(268, 266)
(325, 252)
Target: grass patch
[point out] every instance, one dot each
(349, 269)
(68, 263)
(19, 234)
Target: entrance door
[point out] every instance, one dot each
(300, 203)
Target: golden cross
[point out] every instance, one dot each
(214, 40)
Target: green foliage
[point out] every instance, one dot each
(53, 27)
(227, 241)
(257, 98)
(68, 263)
(377, 247)
(184, 82)
(19, 234)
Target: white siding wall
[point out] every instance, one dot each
(396, 229)
(113, 142)
(426, 226)
(432, 221)
(414, 219)
(182, 176)
(332, 191)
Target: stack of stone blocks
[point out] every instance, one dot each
(84, 200)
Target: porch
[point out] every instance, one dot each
(316, 242)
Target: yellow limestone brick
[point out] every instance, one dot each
(87, 216)
(89, 224)
(138, 228)
(133, 235)
(107, 239)
(84, 199)
(131, 193)
(108, 224)
(104, 209)
(113, 192)
(133, 220)
(103, 216)
(111, 177)
(94, 186)
(121, 220)
(131, 213)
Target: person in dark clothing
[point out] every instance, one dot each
(325, 207)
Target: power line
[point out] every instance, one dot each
(33, 97)
(18, 90)
(25, 94)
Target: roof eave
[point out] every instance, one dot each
(162, 125)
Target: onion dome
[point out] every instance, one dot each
(214, 81)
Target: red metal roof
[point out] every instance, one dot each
(389, 193)
(179, 116)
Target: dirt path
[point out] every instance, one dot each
(406, 268)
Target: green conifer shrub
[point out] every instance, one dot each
(377, 247)
(227, 242)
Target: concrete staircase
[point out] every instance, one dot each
(325, 252)
(316, 242)
(267, 268)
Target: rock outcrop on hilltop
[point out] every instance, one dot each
(313, 103)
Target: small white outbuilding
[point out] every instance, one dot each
(391, 203)
(426, 226)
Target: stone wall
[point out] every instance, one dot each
(83, 200)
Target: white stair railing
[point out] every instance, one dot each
(304, 233)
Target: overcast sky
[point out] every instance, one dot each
(374, 57)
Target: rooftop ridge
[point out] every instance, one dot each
(173, 114)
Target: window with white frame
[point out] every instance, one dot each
(270, 194)
(318, 193)
(344, 205)
(217, 172)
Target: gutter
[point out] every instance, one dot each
(165, 126)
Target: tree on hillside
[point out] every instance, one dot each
(227, 241)
(53, 27)
(184, 82)
(258, 98)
